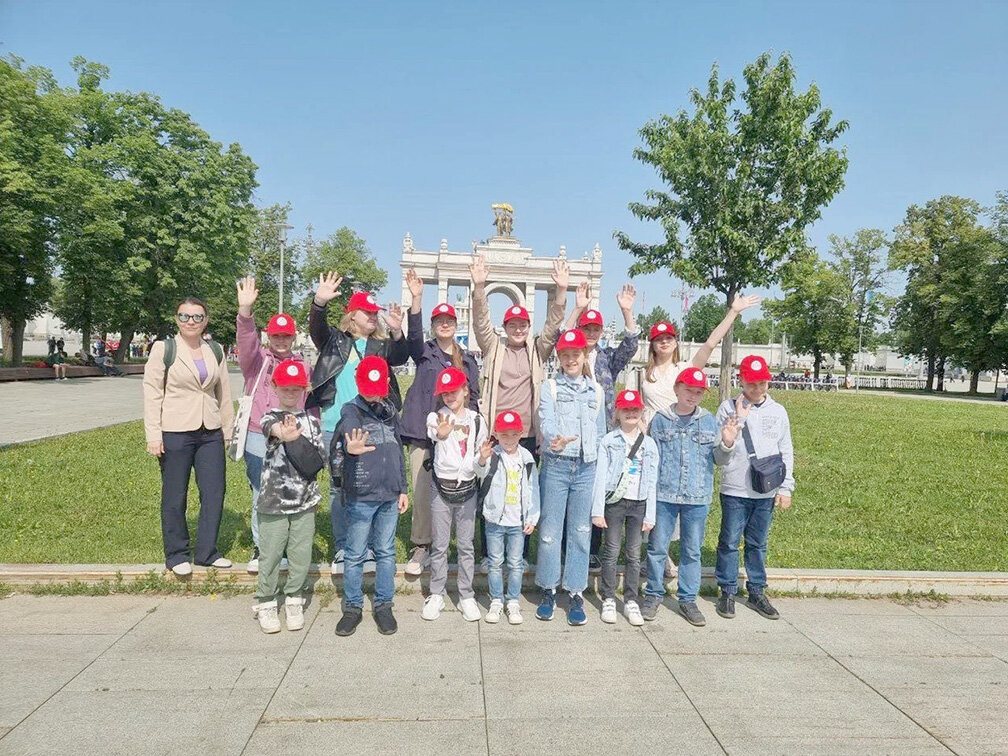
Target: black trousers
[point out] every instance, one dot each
(629, 515)
(530, 444)
(203, 450)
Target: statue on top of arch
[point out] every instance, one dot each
(503, 218)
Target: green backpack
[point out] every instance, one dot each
(170, 349)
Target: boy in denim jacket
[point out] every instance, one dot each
(687, 437)
(626, 481)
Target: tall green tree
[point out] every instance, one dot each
(755, 331)
(702, 317)
(814, 311)
(647, 319)
(348, 254)
(861, 263)
(268, 238)
(33, 165)
(743, 181)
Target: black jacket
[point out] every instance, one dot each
(378, 475)
(334, 348)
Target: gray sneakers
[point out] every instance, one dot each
(650, 609)
(689, 610)
(761, 605)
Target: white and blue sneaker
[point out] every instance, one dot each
(575, 612)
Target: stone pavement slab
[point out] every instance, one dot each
(155, 674)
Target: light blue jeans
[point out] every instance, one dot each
(375, 522)
(565, 486)
(255, 450)
(692, 524)
(503, 539)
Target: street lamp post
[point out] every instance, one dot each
(284, 227)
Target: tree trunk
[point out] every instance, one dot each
(817, 355)
(941, 373)
(122, 353)
(13, 340)
(724, 381)
(974, 382)
(930, 371)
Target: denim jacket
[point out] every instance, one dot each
(576, 410)
(687, 456)
(612, 452)
(493, 504)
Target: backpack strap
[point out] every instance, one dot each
(636, 445)
(170, 350)
(484, 487)
(217, 349)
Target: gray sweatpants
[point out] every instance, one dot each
(443, 515)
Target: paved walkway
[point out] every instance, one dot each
(194, 675)
(31, 410)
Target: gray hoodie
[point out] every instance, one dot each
(771, 434)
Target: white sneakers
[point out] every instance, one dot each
(418, 562)
(266, 613)
(470, 610)
(253, 566)
(182, 569)
(432, 607)
(221, 563)
(495, 611)
(294, 608)
(609, 611)
(633, 614)
(514, 613)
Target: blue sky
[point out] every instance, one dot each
(398, 117)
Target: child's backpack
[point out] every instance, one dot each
(171, 350)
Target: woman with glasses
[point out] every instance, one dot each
(187, 419)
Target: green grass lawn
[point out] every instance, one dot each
(882, 483)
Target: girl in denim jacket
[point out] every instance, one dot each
(572, 421)
(687, 436)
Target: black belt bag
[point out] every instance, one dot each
(455, 491)
(765, 474)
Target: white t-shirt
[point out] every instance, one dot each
(660, 395)
(513, 467)
(454, 456)
(633, 489)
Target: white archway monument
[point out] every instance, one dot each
(513, 270)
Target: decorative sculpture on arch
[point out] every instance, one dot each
(503, 218)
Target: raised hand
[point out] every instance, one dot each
(561, 274)
(247, 295)
(743, 303)
(415, 285)
(393, 318)
(742, 408)
(328, 287)
(356, 442)
(730, 430)
(559, 443)
(486, 449)
(289, 429)
(582, 296)
(626, 297)
(599, 522)
(445, 425)
(478, 270)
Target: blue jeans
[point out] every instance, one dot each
(750, 517)
(692, 523)
(375, 522)
(565, 487)
(501, 539)
(255, 450)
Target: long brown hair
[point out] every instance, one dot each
(652, 363)
(346, 325)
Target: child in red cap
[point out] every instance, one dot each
(746, 509)
(457, 432)
(687, 436)
(369, 458)
(288, 497)
(257, 364)
(509, 491)
(626, 480)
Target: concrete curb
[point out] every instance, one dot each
(805, 581)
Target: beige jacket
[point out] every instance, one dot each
(493, 346)
(181, 403)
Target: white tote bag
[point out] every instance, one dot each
(239, 433)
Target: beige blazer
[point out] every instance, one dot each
(182, 403)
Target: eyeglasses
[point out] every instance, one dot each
(185, 317)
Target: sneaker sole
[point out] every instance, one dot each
(608, 620)
(726, 615)
(763, 614)
(636, 624)
(544, 619)
(695, 624)
(269, 631)
(575, 623)
(491, 620)
(519, 621)
(411, 571)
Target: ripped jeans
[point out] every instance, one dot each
(565, 486)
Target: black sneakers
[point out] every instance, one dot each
(349, 621)
(689, 610)
(386, 622)
(759, 603)
(726, 606)
(650, 609)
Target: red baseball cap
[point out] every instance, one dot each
(662, 328)
(629, 400)
(590, 317)
(508, 421)
(363, 300)
(516, 313)
(291, 373)
(443, 309)
(692, 376)
(754, 368)
(572, 339)
(281, 323)
(372, 376)
(448, 380)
